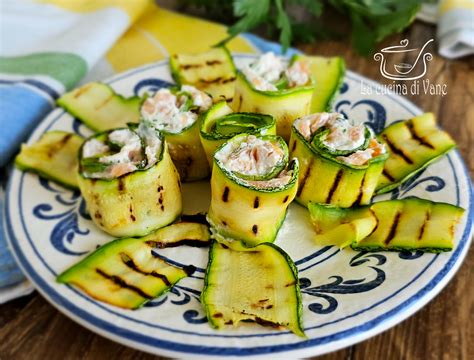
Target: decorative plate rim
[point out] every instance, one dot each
(305, 348)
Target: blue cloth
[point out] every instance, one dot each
(21, 108)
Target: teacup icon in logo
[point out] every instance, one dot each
(404, 71)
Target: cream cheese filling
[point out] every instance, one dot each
(342, 136)
(265, 71)
(167, 111)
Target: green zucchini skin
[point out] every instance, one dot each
(261, 211)
(284, 105)
(212, 72)
(324, 179)
(329, 75)
(123, 273)
(135, 203)
(188, 154)
(404, 224)
(100, 108)
(211, 139)
(413, 145)
(249, 296)
(53, 156)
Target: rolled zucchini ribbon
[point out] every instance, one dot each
(175, 114)
(246, 206)
(326, 174)
(128, 181)
(220, 124)
(285, 103)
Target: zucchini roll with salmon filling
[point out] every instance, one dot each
(252, 185)
(340, 163)
(174, 112)
(272, 85)
(128, 181)
(220, 124)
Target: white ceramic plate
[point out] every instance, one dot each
(348, 296)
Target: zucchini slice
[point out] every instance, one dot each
(252, 284)
(413, 145)
(123, 273)
(405, 224)
(53, 156)
(341, 226)
(325, 176)
(251, 208)
(220, 124)
(284, 105)
(328, 74)
(125, 197)
(99, 107)
(175, 113)
(181, 233)
(212, 71)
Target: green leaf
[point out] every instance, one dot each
(315, 7)
(283, 23)
(252, 13)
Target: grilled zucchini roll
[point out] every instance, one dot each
(413, 145)
(53, 156)
(212, 71)
(252, 284)
(174, 112)
(100, 108)
(220, 124)
(340, 163)
(270, 85)
(406, 224)
(124, 273)
(128, 181)
(252, 184)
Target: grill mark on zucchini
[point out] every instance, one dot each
(422, 229)
(123, 284)
(285, 199)
(127, 260)
(387, 175)
(256, 202)
(58, 146)
(393, 228)
(187, 242)
(213, 62)
(120, 185)
(417, 137)
(225, 195)
(305, 178)
(255, 229)
(361, 192)
(82, 90)
(396, 150)
(293, 147)
(105, 102)
(335, 184)
(240, 103)
(219, 80)
(132, 215)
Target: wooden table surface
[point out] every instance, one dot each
(30, 328)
